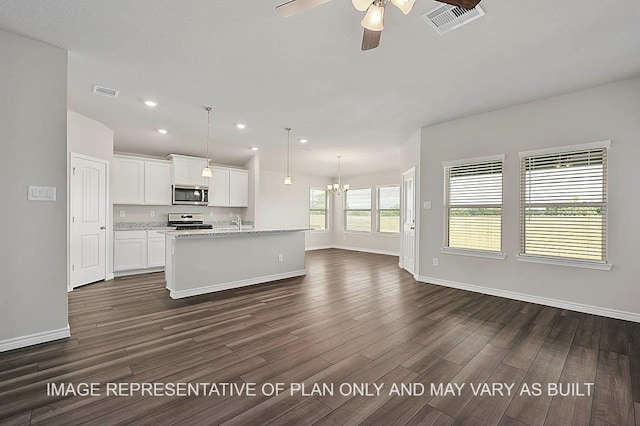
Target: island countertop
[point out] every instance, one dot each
(213, 233)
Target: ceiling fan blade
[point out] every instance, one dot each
(370, 39)
(294, 7)
(465, 4)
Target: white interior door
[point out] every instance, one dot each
(409, 220)
(88, 221)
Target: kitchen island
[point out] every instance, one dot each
(208, 260)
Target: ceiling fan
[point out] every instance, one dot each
(373, 21)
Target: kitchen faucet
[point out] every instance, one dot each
(237, 222)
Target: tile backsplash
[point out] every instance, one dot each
(160, 214)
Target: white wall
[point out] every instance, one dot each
(287, 206)
(253, 166)
(601, 113)
(33, 83)
(89, 137)
(373, 241)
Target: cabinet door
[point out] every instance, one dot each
(219, 188)
(181, 171)
(238, 188)
(129, 250)
(195, 172)
(155, 250)
(127, 177)
(157, 183)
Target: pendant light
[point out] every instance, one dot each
(337, 187)
(287, 179)
(206, 172)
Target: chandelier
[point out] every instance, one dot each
(338, 187)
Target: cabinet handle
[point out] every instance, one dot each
(103, 227)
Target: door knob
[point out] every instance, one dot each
(103, 227)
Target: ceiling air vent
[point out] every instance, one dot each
(446, 17)
(105, 91)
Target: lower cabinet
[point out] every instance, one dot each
(155, 250)
(137, 251)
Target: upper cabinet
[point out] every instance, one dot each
(188, 170)
(229, 187)
(140, 181)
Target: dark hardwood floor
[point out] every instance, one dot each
(355, 319)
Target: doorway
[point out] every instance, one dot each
(88, 220)
(408, 245)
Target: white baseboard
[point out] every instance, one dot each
(312, 248)
(138, 271)
(34, 339)
(235, 284)
(366, 250)
(109, 277)
(562, 304)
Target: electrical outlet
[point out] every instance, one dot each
(152, 213)
(281, 257)
(426, 205)
(123, 213)
(210, 214)
(435, 261)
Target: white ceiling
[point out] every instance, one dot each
(307, 72)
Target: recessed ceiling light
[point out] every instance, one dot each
(304, 140)
(241, 126)
(151, 103)
(254, 148)
(163, 131)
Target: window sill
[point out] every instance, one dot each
(357, 232)
(565, 262)
(474, 253)
(387, 234)
(320, 231)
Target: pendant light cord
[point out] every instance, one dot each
(288, 130)
(208, 129)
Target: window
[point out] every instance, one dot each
(563, 203)
(357, 212)
(389, 209)
(318, 209)
(473, 204)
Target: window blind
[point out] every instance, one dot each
(357, 213)
(563, 205)
(473, 203)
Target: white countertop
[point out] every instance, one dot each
(191, 233)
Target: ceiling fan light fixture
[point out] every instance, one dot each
(374, 19)
(404, 5)
(362, 5)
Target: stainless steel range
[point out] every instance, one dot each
(184, 221)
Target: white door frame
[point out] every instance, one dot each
(108, 240)
(416, 211)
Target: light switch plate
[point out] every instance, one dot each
(41, 193)
(426, 205)
(123, 213)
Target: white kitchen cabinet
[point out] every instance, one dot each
(229, 188)
(188, 170)
(238, 188)
(219, 187)
(129, 250)
(127, 180)
(155, 249)
(157, 183)
(138, 251)
(140, 181)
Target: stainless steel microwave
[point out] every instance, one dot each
(191, 195)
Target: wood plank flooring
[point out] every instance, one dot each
(354, 319)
